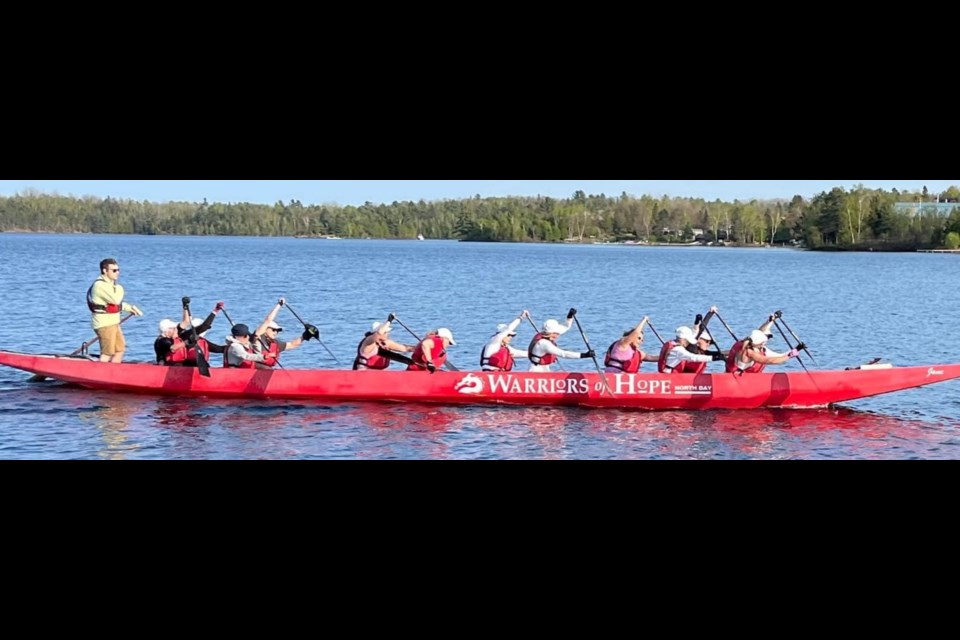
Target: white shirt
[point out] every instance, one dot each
(680, 354)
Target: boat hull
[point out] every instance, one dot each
(650, 391)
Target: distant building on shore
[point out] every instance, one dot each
(926, 209)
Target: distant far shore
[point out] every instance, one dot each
(872, 248)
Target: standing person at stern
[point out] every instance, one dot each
(105, 301)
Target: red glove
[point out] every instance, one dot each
(218, 308)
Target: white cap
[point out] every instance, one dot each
(758, 337)
(274, 325)
(445, 333)
(376, 327)
(705, 336)
(686, 333)
(167, 324)
(503, 327)
(552, 326)
(196, 323)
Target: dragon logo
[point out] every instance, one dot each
(469, 384)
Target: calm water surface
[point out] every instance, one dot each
(847, 308)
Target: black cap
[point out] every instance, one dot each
(240, 330)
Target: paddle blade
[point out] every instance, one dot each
(202, 364)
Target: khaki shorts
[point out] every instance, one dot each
(111, 340)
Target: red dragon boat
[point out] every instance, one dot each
(652, 391)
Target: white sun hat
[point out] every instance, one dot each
(552, 326)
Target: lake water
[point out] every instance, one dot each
(848, 308)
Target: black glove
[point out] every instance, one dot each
(717, 356)
(186, 302)
(391, 318)
(571, 313)
(432, 368)
(310, 332)
(801, 347)
(699, 319)
(589, 354)
(281, 301)
(778, 314)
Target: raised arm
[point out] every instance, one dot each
(270, 317)
(766, 326)
(637, 331)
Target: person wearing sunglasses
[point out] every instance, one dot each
(105, 301)
(751, 354)
(626, 355)
(266, 339)
(498, 354)
(376, 351)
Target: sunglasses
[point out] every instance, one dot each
(115, 270)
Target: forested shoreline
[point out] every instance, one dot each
(858, 219)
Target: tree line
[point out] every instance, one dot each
(839, 219)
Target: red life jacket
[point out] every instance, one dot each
(190, 358)
(664, 352)
(101, 308)
(246, 364)
(271, 355)
(734, 357)
(376, 361)
(502, 360)
(544, 360)
(627, 366)
(685, 366)
(439, 355)
(696, 368)
(179, 356)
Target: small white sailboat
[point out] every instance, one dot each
(420, 236)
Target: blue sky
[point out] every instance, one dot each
(356, 192)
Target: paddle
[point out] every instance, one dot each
(394, 318)
(315, 332)
(536, 331)
(82, 350)
(603, 376)
(732, 334)
(703, 328)
(703, 324)
(396, 357)
(778, 317)
(787, 340)
(202, 365)
(650, 324)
